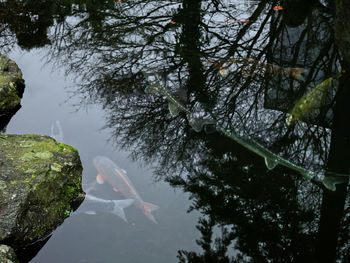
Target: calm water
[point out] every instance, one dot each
(101, 237)
(236, 111)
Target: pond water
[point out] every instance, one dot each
(234, 110)
(103, 237)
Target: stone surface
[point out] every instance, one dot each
(11, 85)
(39, 179)
(7, 254)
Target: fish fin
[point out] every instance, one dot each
(149, 206)
(119, 206)
(115, 189)
(330, 182)
(88, 187)
(270, 163)
(173, 109)
(99, 179)
(296, 73)
(57, 131)
(124, 171)
(52, 132)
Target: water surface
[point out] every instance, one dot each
(239, 106)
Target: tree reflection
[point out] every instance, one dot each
(27, 23)
(264, 222)
(223, 62)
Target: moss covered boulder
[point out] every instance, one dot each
(11, 85)
(7, 254)
(39, 180)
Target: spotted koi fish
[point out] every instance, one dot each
(250, 66)
(311, 101)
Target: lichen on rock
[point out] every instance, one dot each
(11, 85)
(7, 254)
(39, 178)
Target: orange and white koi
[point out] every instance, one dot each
(117, 178)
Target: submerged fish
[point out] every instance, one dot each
(57, 131)
(250, 66)
(93, 204)
(117, 178)
(311, 101)
(271, 159)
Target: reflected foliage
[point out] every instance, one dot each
(244, 67)
(26, 23)
(264, 222)
(247, 76)
(190, 54)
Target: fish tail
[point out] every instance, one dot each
(297, 73)
(57, 131)
(147, 209)
(119, 206)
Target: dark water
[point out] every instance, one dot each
(238, 109)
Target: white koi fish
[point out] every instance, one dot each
(92, 205)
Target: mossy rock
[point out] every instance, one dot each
(11, 85)
(7, 254)
(39, 179)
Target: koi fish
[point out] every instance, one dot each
(244, 21)
(249, 66)
(271, 159)
(311, 101)
(93, 204)
(117, 178)
(57, 132)
(228, 20)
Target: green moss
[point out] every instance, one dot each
(44, 173)
(10, 79)
(44, 155)
(30, 152)
(9, 100)
(70, 192)
(66, 146)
